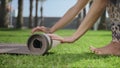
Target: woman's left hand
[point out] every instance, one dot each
(63, 40)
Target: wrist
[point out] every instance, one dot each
(51, 30)
(74, 38)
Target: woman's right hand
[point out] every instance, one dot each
(40, 28)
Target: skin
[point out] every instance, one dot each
(87, 23)
(94, 13)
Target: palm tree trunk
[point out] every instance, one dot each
(42, 19)
(84, 12)
(36, 14)
(78, 20)
(4, 16)
(30, 16)
(20, 14)
(103, 21)
(41, 11)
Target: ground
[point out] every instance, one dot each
(65, 55)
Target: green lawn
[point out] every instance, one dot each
(63, 56)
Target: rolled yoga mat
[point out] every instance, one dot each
(41, 43)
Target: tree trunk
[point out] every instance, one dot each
(42, 19)
(84, 12)
(36, 14)
(103, 21)
(78, 20)
(20, 14)
(30, 16)
(4, 16)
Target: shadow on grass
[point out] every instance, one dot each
(69, 56)
(25, 54)
(12, 35)
(9, 29)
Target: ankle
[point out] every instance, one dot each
(117, 41)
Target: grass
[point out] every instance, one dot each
(63, 56)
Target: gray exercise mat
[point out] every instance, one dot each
(14, 49)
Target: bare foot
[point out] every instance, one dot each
(111, 49)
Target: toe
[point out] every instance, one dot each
(92, 49)
(98, 52)
(95, 50)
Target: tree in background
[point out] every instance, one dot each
(36, 14)
(103, 21)
(4, 10)
(30, 16)
(19, 23)
(41, 11)
(84, 12)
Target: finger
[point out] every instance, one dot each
(33, 30)
(55, 36)
(42, 27)
(38, 29)
(51, 35)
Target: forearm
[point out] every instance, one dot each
(70, 15)
(94, 13)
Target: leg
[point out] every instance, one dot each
(114, 47)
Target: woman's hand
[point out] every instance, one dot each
(42, 29)
(63, 40)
